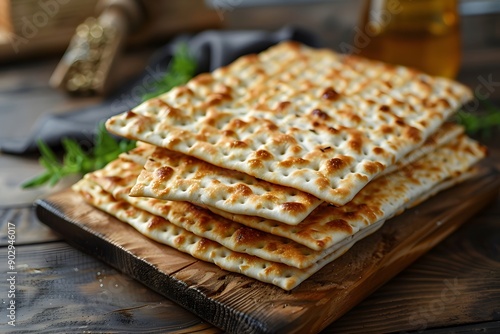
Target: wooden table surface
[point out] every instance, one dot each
(454, 287)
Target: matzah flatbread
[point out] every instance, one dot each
(118, 177)
(382, 198)
(161, 230)
(175, 176)
(309, 119)
(455, 179)
(448, 132)
(379, 200)
(140, 154)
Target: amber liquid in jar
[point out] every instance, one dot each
(423, 34)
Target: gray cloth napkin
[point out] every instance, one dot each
(212, 49)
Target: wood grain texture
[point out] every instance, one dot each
(489, 327)
(28, 228)
(456, 283)
(62, 290)
(64, 276)
(239, 304)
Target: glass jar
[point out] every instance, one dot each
(423, 34)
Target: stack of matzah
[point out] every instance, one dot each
(277, 164)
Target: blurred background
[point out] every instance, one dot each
(454, 38)
(39, 28)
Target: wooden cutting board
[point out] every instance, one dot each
(239, 304)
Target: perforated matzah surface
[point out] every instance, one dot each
(445, 134)
(308, 119)
(379, 200)
(161, 230)
(140, 154)
(119, 176)
(382, 198)
(175, 176)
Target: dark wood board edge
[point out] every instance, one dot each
(95, 244)
(231, 319)
(484, 192)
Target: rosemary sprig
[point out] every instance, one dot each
(76, 160)
(182, 68)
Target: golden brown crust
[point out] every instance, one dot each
(304, 107)
(253, 251)
(379, 200)
(174, 176)
(119, 176)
